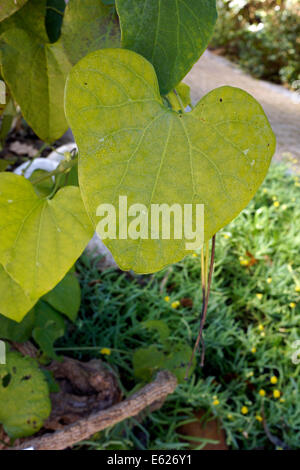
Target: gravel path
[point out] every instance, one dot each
(281, 105)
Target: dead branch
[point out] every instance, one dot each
(164, 384)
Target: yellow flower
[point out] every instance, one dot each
(226, 236)
(297, 288)
(106, 351)
(292, 305)
(259, 418)
(263, 334)
(167, 298)
(273, 379)
(276, 204)
(265, 190)
(253, 350)
(244, 262)
(194, 255)
(244, 410)
(276, 393)
(259, 296)
(175, 304)
(229, 416)
(269, 280)
(262, 392)
(216, 402)
(260, 327)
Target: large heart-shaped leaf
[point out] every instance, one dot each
(36, 70)
(8, 7)
(40, 239)
(171, 34)
(24, 396)
(131, 144)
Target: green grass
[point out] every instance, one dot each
(115, 305)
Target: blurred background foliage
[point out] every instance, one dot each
(263, 36)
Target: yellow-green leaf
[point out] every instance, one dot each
(14, 303)
(40, 239)
(8, 7)
(171, 34)
(24, 396)
(131, 144)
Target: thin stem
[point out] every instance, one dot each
(206, 292)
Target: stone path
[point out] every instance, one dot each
(282, 106)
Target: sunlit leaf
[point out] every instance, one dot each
(131, 144)
(40, 239)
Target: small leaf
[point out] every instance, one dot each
(171, 34)
(131, 144)
(66, 296)
(40, 239)
(49, 326)
(160, 326)
(24, 396)
(178, 360)
(8, 7)
(19, 332)
(147, 361)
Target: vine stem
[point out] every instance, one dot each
(206, 284)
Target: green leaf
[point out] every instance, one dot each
(49, 327)
(24, 396)
(14, 303)
(66, 296)
(87, 27)
(40, 239)
(147, 361)
(28, 57)
(178, 360)
(8, 7)
(42, 68)
(171, 34)
(13, 331)
(160, 326)
(131, 144)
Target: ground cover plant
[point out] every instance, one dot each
(251, 372)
